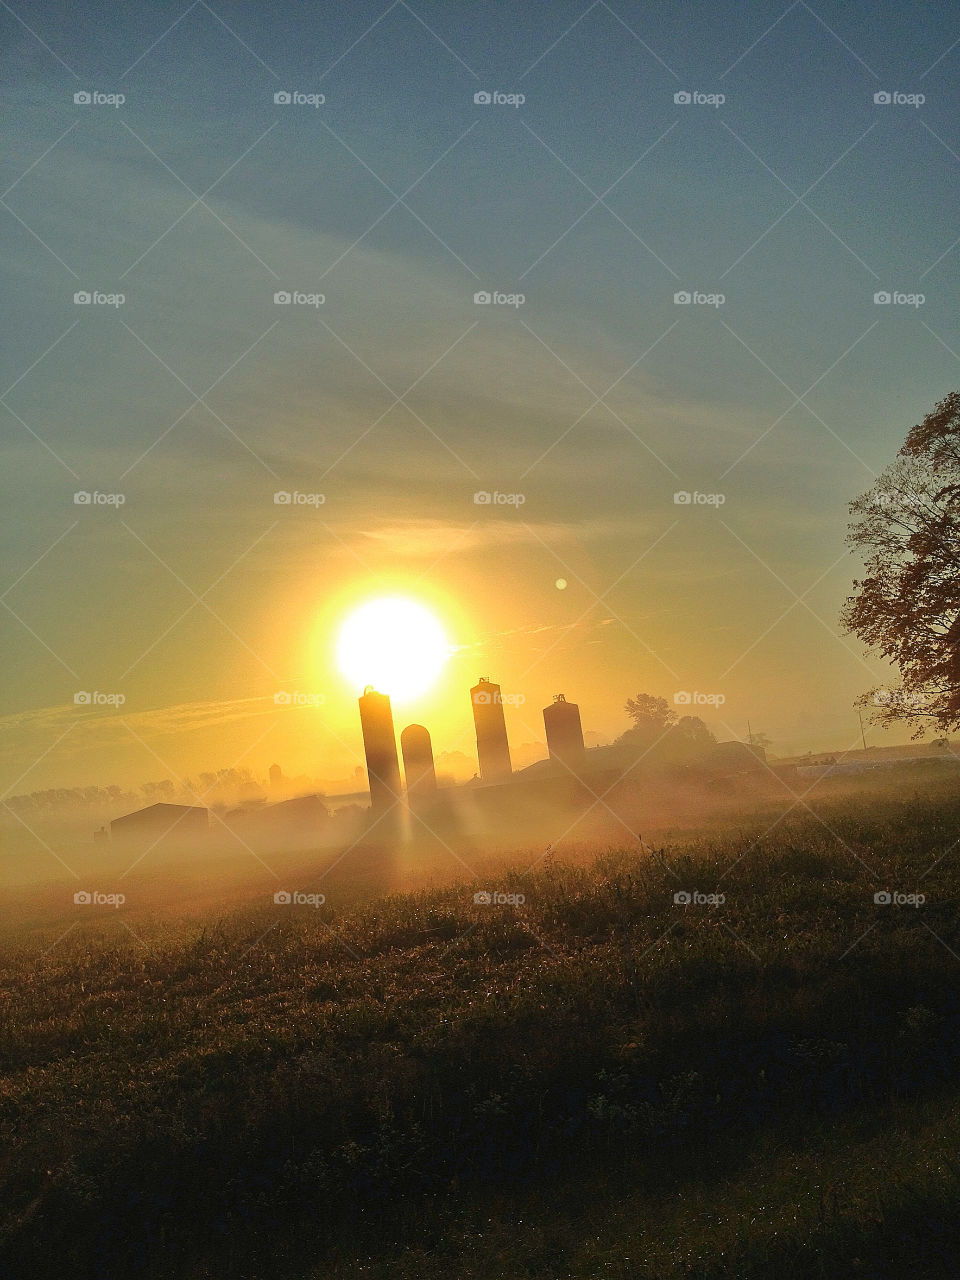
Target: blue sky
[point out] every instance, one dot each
(597, 199)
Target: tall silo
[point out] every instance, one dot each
(418, 770)
(380, 748)
(493, 750)
(564, 733)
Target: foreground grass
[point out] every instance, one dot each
(873, 1196)
(650, 1086)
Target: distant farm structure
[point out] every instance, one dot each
(396, 807)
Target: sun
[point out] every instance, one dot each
(394, 644)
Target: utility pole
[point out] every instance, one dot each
(863, 738)
(749, 733)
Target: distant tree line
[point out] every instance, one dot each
(225, 786)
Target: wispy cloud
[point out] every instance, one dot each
(421, 538)
(108, 724)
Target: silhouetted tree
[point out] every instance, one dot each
(695, 731)
(908, 605)
(649, 712)
(659, 737)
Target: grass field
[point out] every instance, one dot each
(597, 1081)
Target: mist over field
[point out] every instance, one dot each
(392, 1071)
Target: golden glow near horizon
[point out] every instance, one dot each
(395, 644)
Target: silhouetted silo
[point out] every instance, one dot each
(418, 770)
(380, 748)
(493, 750)
(564, 734)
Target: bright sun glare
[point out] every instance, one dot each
(394, 644)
